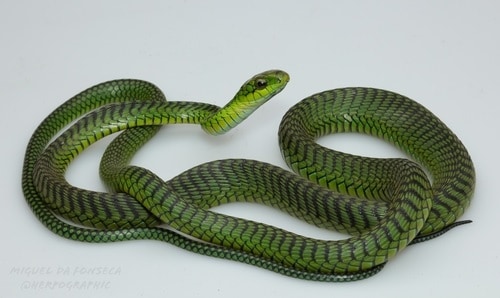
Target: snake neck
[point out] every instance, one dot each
(252, 94)
(227, 117)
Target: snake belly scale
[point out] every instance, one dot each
(385, 204)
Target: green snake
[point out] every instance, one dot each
(386, 204)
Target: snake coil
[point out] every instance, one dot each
(385, 204)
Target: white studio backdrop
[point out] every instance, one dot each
(444, 54)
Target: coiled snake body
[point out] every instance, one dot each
(384, 203)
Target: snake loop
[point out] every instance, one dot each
(397, 205)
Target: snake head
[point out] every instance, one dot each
(261, 87)
(252, 94)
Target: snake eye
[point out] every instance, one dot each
(260, 84)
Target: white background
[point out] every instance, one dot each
(444, 54)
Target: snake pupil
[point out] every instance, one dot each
(261, 84)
